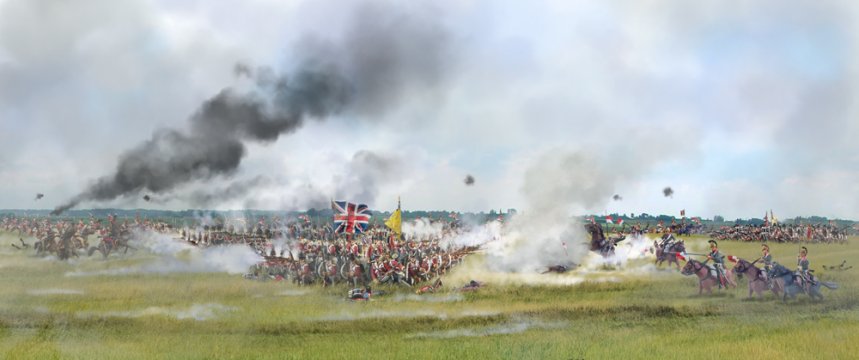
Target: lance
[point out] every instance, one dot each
(675, 253)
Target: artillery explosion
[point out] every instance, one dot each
(668, 191)
(469, 180)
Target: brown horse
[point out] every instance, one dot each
(707, 278)
(601, 244)
(757, 279)
(669, 254)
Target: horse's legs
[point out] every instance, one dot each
(814, 293)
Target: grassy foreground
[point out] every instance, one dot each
(47, 313)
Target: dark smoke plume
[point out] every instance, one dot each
(382, 56)
(668, 191)
(234, 190)
(469, 180)
(146, 198)
(39, 196)
(365, 174)
(617, 197)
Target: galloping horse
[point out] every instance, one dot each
(669, 254)
(757, 281)
(110, 244)
(706, 275)
(792, 284)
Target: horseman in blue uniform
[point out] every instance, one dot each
(718, 261)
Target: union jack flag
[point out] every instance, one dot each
(350, 218)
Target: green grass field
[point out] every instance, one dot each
(46, 313)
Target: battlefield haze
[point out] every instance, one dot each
(738, 107)
(524, 179)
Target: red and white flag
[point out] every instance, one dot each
(609, 220)
(680, 256)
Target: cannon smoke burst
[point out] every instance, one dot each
(668, 191)
(384, 55)
(469, 180)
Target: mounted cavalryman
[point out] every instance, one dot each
(802, 271)
(718, 261)
(767, 260)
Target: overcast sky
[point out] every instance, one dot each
(739, 106)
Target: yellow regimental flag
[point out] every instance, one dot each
(395, 222)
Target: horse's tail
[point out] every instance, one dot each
(829, 285)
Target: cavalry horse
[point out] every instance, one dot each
(669, 254)
(707, 277)
(793, 284)
(46, 244)
(110, 244)
(599, 243)
(757, 279)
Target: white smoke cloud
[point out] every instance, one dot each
(43, 292)
(173, 256)
(293, 292)
(481, 235)
(373, 314)
(430, 298)
(422, 229)
(512, 327)
(199, 312)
